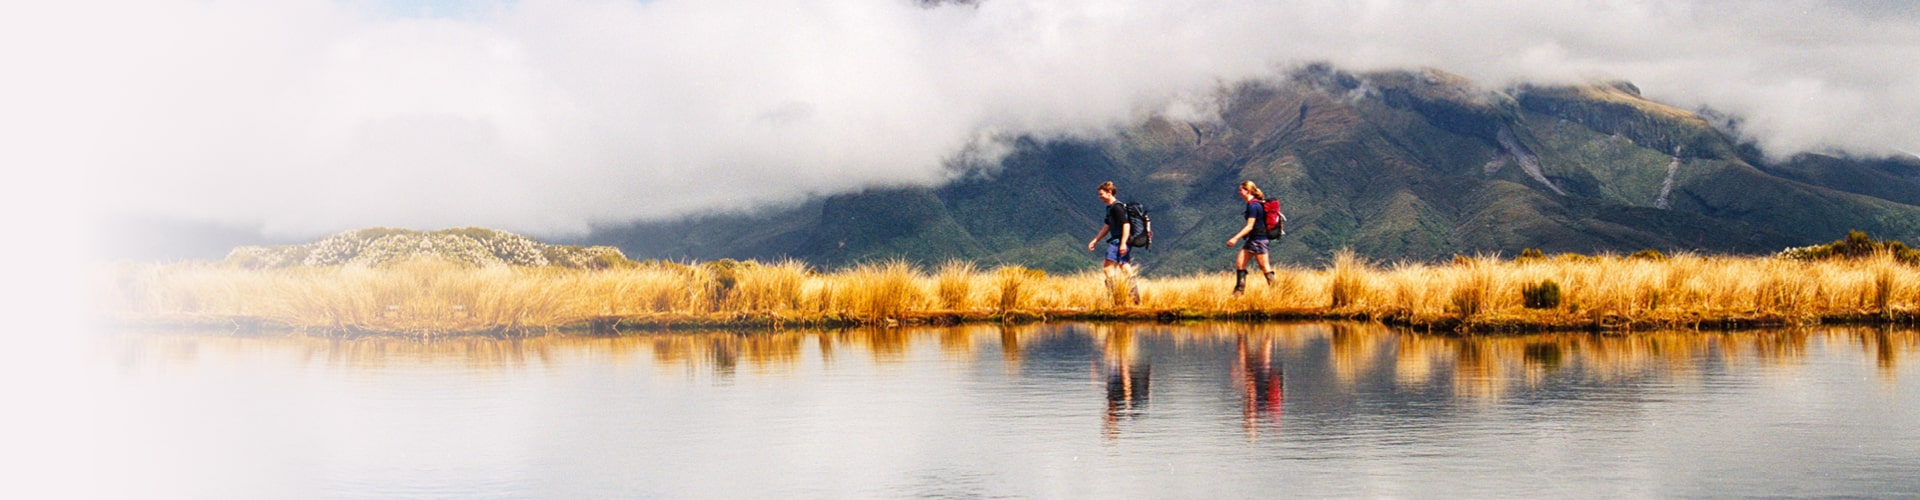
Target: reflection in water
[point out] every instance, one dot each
(1262, 385)
(1355, 346)
(1475, 367)
(1887, 345)
(724, 352)
(667, 414)
(1484, 368)
(1128, 377)
(1010, 348)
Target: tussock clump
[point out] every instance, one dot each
(1016, 285)
(1883, 287)
(771, 287)
(1411, 288)
(1473, 291)
(954, 284)
(882, 290)
(1348, 283)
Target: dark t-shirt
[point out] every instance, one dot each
(1116, 219)
(1259, 216)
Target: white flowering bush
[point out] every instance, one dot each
(472, 246)
(255, 257)
(342, 248)
(1809, 252)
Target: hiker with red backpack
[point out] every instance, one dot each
(1264, 222)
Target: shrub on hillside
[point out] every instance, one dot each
(1575, 258)
(1857, 245)
(724, 274)
(1542, 295)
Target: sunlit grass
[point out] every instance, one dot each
(1472, 293)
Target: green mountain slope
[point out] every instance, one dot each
(1418, 165)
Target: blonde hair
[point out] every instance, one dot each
(1248, 185)
(1107, 187)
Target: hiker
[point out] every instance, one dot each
(1116, 230)
(1255, 233)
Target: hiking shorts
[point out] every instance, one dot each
(1113, 254)
(1256, 246)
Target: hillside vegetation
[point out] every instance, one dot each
(1396, 165)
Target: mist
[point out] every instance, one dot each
(549, 117)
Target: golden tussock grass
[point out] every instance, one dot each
(1471, 293)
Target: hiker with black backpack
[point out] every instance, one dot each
(1264, 222)
(1121, 234)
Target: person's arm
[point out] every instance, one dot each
(1242, 234)
(1126, 231)
(1096, 238)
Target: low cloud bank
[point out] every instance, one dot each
(546, 117)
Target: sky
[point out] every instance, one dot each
(299, 118)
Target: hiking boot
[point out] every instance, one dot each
(1239, 282)
(1269, 279)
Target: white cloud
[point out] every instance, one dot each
(546, 116)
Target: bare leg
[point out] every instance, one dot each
(1112, 270)
(1133, 285)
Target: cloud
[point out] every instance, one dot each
(549, 116)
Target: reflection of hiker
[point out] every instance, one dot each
(1262, 385)
(1127, 388)
(1118, 232)
(1256, 235)
(1129, 380)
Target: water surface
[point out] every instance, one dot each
(1060, 410)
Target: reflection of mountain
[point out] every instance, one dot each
(1397, 164)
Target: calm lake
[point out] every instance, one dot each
(1207, 410)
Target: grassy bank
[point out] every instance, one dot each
(1570, 292)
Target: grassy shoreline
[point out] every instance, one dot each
(431, 297)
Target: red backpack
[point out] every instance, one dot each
(1276, 223)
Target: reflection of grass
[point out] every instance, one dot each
(1471, 294)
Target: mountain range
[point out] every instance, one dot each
(1414, 165)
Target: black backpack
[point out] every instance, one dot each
(1142, 225)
